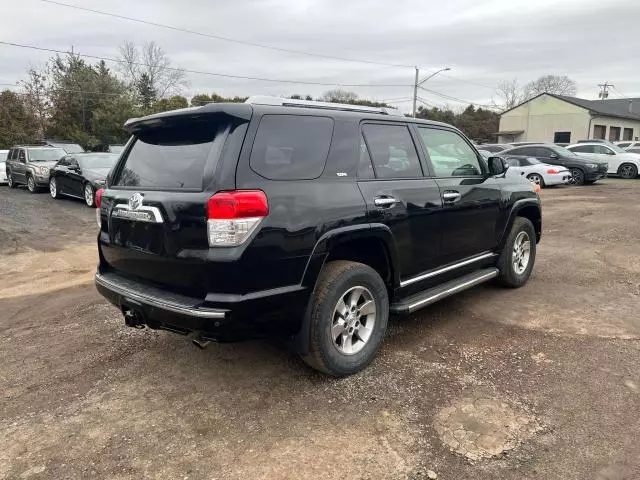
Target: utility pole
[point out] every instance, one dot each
(415, 92)
(416, 85)
(604, 92)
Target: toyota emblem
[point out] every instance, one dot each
(135, 201)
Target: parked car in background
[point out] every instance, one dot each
(493, 147)
(68, 147)
(115, 149)
(537, 172)
(632, 150)
(30, 164)
(485, 153)
(596, 140)
(80, 175)
(623, 163)
(628, 144)
(582, 170)
(3, 166)
(562, 144)
(317, 226)
(518, 144)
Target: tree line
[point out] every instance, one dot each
(71, 99)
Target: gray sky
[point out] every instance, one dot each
(483, 42)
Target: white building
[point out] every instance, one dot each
(561, 119)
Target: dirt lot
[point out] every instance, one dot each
(541, 382)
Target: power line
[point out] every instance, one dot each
(199, 72)
(455, 99)
(467, 81)
(227, 39)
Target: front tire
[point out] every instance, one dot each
(347, 317)
(577, 177)
(31, 184)
(89, 195)
(53, 188)
(519, 254)
(628, 170)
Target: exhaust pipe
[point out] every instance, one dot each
(201, 342)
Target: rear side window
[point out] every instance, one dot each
(171, 157)
(392, 151)
(582, 149)
(291, 147)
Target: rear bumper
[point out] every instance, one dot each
(216, 317)
(557, 179)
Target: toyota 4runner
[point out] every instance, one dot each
(304, 219)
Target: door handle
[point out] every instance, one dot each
(451, 196)
(385, 201)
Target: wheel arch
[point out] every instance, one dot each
(527, 208)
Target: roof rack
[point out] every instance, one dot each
(290, 102)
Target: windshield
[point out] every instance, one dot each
(616, 149)
(98, 160)
(563, 151)
(46, 154)
(68, 147)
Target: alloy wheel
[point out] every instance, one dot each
(577, 177)
(31, 184)
(353, 319)
(521, 253)
(627, 171)
(535, 179)
(53, 188)
(88, 195)
(10, 180)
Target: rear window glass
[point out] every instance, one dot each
(291, 147)
(169, 157)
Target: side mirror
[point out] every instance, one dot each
(553, 155)
(498, 165)
(74, 168)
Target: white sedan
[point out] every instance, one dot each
(535, 171)
(3, 166)
(621, 162)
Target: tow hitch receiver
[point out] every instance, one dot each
(132, 318)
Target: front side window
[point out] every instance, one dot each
(291, 147)
(583, 149)
(450, 154)
(522, 151)
(22, 156)
(604, 150)
(392, 150)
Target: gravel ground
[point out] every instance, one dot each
(539, 382)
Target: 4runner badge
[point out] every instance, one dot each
(135, 201)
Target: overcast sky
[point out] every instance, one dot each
(483, 42)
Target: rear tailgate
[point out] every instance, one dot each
(154, 212)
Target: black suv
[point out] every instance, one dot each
(304, 219)
(583, 170)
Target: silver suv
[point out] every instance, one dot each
(30, 165)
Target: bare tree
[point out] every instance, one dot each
(36, 97)
(339, 96)
(151, 61)
(560, 85)
(508, 93)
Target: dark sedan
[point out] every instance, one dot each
(583, 170)
(80, 175)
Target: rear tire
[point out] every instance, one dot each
(10, 181)
(519, 254)
(347, 317)
(536, 179)
(628, 170)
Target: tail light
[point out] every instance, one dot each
(553, 171)
(234, 216)
(98, 202)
